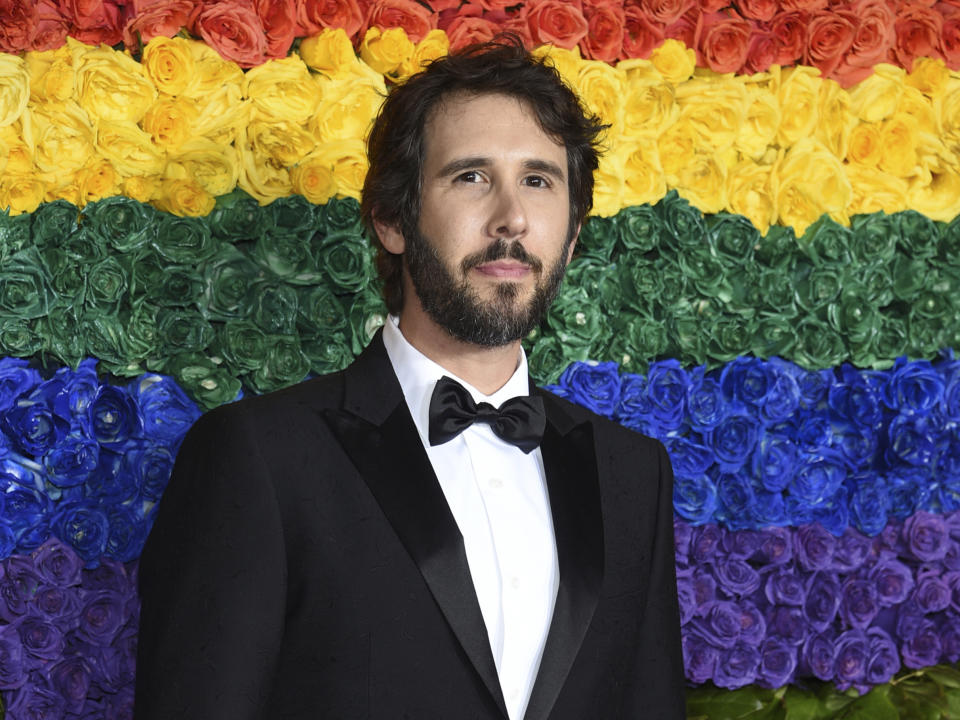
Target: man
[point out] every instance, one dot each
(385, 543)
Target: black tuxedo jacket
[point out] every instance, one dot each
(304, 564)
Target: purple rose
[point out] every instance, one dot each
(57, 563)
(927, 536)
(704, 588)
(952, 579)
(891, 538)
(789, 623)
(819, 656)
(823, 600)
(720, 624)
(884, 660)
(742, 544)
(851, 552)
(112, 668)
(950, 638)
(778, 661)
(41, 639)
(923, 647)
(737, 666)
(681, 539)
(853, 656)
(931, 594)
(102, 616)
(56, 603)
(704, 543)
(893, 579)
(814, 547)
(108, 575)
(736, 577)
(859, 606)
(699, 659)
(785, 587)
(687, 598)
(12, 671)
(753, 627)
(36, 701)
(71, 679)
(19, 583)
(776, 546)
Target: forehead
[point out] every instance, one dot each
(487, 125)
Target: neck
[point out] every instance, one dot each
(486, 368)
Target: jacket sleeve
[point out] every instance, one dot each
(212, 581)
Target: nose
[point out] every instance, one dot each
(508, 217)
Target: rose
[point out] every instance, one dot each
(922, 647)
(149, 466)
(869, 506)
(853, 653)
(666, 384)
(788, 623)
(931, 594)
(415, 19)
(785, 587)
(776, 546)
(168, 63)
(128, 532)
(57, 564)
(683, 225)
(154, 20)
(829, 34)
(737, 666)
(913, 388)
(227, 275)
(184, 240)
(950, 34)
(699, 658)
(234, 30)
(123, 223)
(918, 29)
(16, 380)
(388, 52)
(595, 386)
(24, 286)
(19, 28)
(554, 22)
(818, 656)
(84, 528)
(722, 41)
(778, 662)
(70, 678)
(321, 15)
(874, 35)
(605, 31)
(41, 639)
(112, 87)
(287, 257)
(859, 603)
(733, 440)
(94, 23)
(705, 401)
(718, 624)
(927, 536)
(348, 160)
(737, 578)
(205, 381)
(71, 461)
(283, 364)
(166, 411)
(736, 501)
(465, 30)
(279, 20)
(346, 258)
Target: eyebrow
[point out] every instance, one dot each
(468, 163)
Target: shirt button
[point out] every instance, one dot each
(496, 483)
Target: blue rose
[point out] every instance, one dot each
(768, 508)
(149, 466)
(834, 513)
(73, 391)
(667, 389)
(705, 401)
(948, 492)
(687, 457)
(869, 504)
(732, 441)
(128, 531)
(909, 490)
(166, 410)
(33, 428)
(783, 397)
(114, 416)
(911, 440)
(774, 461)
(8, 539)
(814, 386)
(71, 460)
(747, 380)
(815, 432)
(26, 510)
(817, 479)
(778, 662)
(17, 379)
(84, 528)
(594, 385)
(950, 400)
(858, 445)
(634, 407)
(735, 501)
(858, 397)
(109, 484)
(913, 388)
(694, 498)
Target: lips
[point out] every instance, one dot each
(503, 269)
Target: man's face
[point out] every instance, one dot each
(493, 240)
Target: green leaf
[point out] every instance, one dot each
(802, 705)
(719, 704)
(944, 675)
(875, 705)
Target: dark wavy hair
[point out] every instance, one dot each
(395, 146)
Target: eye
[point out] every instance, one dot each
(470, 176)
(537, 181)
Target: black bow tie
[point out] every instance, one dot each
(519, 421)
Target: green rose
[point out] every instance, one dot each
(52, 222)
(774, 336)
(909, 277)
(347, 259)
(181, 286)
(206, 382)
(818, 345)
(863, 353)
(182, 331)
(237, 217)
(640, 282)
(242, 345)
(283, 365)
(68, 278)
(728, 337)
(120, 222)
(746, 296)
(641, 338)
(919, 235)
(140, 321)
(733, 239)
(826, 241)
(776, 289)
(854, 316)
(18, 338)
(778, 248)
(705, 272)
(891, 340)
(598, 236)
(288, 257)
(875, 281)
(687, 339)
(106, 285)
(14, 233)
(933, 303)
(578, 321)
(319, 311)
(548, 356)
(184, 240)
(815, 287)
(227, 276)
(147, 270)
(950, 242)
(293, 215)
(341, 214)
(25, 290)
(367, 314)
(327, 352)
(925, 338)
(600, 279)
(62, 336)
(639, 228)
(84, 249)
(874, 238)
(683, 225)
(273, 307)
(105, 339)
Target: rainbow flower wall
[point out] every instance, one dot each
(769, 285)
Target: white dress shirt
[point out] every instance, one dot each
(498, 497)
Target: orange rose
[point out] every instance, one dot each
(685, 28)
(315, 15)
(52, 27)
(415, 19)
(872, 40)
(279, 20)
(950, 36)
(464, 31)
(18, 26)
(640, 34)
(711, 6)
(762, 10)
(94, 21)
(762, 52)
(604, 38)
(234, 30)
(802, 5)
(556, 22)
(790, 29)
(666, 11)
(918, 30)
(722, 42)
(157, 18)
(829, 34)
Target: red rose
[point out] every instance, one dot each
(685, 29)
(604, 38)
(711, 6)
(234, 30)
(555, 21)
(950, 36)
(465, 31)
(790, 30)
(829, 35)
(872, 40)
(18, 25)
(640, 34)
(802, 5)
(52, 28)
(762, 10)
(495, 4)
(279, 20)
(440, 5)
(666, 11)
(94, 21)
(415, 19)
(160, 18)
(918, 29)
(315, 15)
(762, 52)
(722, 42)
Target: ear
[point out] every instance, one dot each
(573, 244)
(390, 237)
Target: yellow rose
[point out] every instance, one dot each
(761, 121)
(20, 193)
(565, 62)
(836, 120)
(809, 181)
(347, 159)
(263, 180)
(222, 115)
(4, 155)
(214, 167)
(648, 108)
(129, 149)
(643, 180)
(433, 46)
(929, 76)
(676, 146)
(898, 137)
(18, 139)
(874, 190)
(170, 121)
(283, 143)
(14, 88)
(601, 88)
(703, 182)
(212, 72)
(182, 196)
(608, 185)
(948, 115)
(876, 98)
(674, 60)
(915, 104)
(282, 89)
(97, 180)
(142, 189)
(715, 107)
(51, 74)
(63, 136)
(865, 145)
(936, 194)
(749, 194)
(169, 64)
(69, 191)
(330, 52)
(387, 51)
(932, 154)
(112, 86)
(314, 180)
(347, 107)
(799, 97)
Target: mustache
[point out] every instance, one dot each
(502, 250)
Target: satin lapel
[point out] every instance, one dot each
(569, 460)
(377, 432)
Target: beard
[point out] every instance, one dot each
(458, 308)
